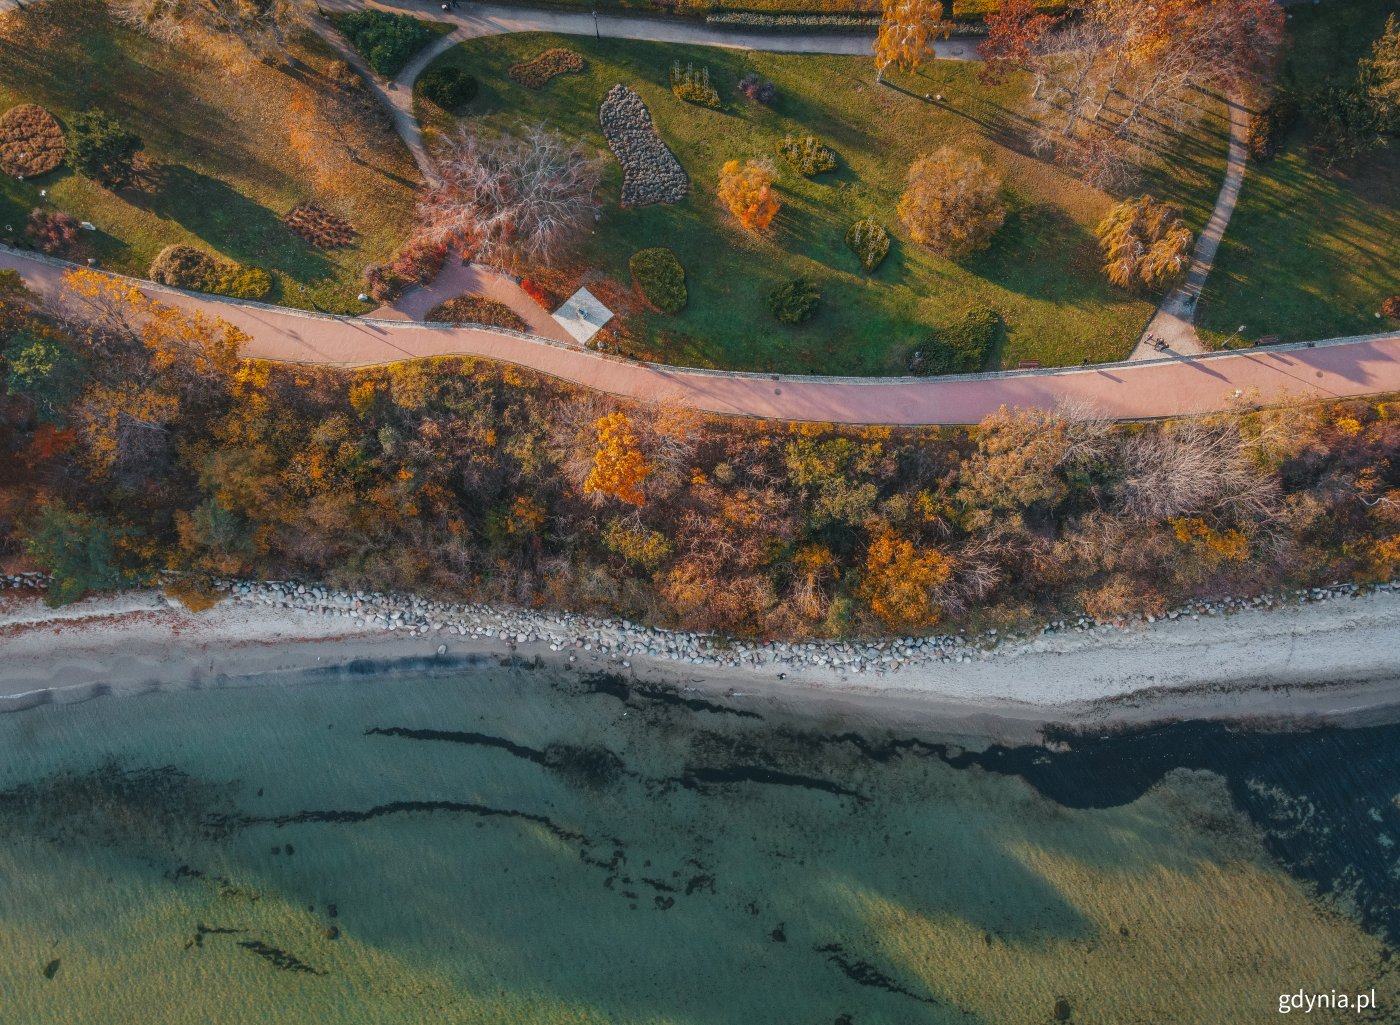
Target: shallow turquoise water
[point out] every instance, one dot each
(516, 846)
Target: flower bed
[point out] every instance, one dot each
(31, 142)
(869, 240)
(536, 72)
(650, 171)
(317, 226)
(476, 309)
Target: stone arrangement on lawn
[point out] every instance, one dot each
(31, 141)
(650, 171)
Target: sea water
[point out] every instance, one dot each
(539, 846)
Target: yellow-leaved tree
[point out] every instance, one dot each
(618, 466)
(1144, 242)
(908, 29)
(902, 583)
(747, 189)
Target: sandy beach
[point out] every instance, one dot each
(1334, 661)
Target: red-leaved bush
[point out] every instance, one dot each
(51, 232)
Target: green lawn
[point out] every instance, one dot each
(229, 149)
(1310, 253)
(1043, 273)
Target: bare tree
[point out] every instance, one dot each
(261, 26)
(1194, 468)
(512, 199)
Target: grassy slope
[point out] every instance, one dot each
(1043, 273)
(1311, 254)
(222, 142)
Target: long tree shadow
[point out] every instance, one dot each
(227, 220)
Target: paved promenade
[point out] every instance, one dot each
(1199, 384)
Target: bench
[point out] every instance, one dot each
(1269, 340)
(1028, 364)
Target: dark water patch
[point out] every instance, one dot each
(153, 808)
(863, 973)
(278, 958)
(625, 691)
(1324, 799)
(594, 767)
(697, 778)
(201, 930)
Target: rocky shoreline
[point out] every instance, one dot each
(618, 641)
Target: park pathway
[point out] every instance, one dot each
(474, 21)
(1331, 369)
(1175, 320)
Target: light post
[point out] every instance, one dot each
(597, 32)
(1237, 332)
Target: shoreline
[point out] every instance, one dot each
(1330, 661)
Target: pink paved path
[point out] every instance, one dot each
(1344, 367)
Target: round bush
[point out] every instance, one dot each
(661, 278)
(476, 309)
(31, 142)
(960, 348)
(182, 266)
(449, 88)
(795, 301)
(1391, 307)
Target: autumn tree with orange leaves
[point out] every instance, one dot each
(618, 466)
(747, 189)
(908, 29)
(902, 583)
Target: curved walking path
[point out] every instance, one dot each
(1175, 320)
(475, 21)
(1140, 390)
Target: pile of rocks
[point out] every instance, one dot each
(618, 641)
(650, 171)
(27, 580)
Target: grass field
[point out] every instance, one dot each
(232, 148)
(1310, 253)
(1042, 274)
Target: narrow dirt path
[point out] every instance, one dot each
(1175, 320)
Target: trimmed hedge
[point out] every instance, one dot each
(961, 348)
(386, 40)
(181, 266)
(660, 276)
(449, 88)
(795, 301)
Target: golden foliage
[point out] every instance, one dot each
(618, 466)
(902, 583)
(747, 189)
(1144, 242)
(952, 203)
(1217, 546)
(908, 29)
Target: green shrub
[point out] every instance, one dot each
(449, 88)
(795, 301)
(1268, 127)
(186, 267)
(807, 154)
(693, 86)
(386, 40)
(961, 348)
(102, 148)
(869, 240)
(661, 278)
